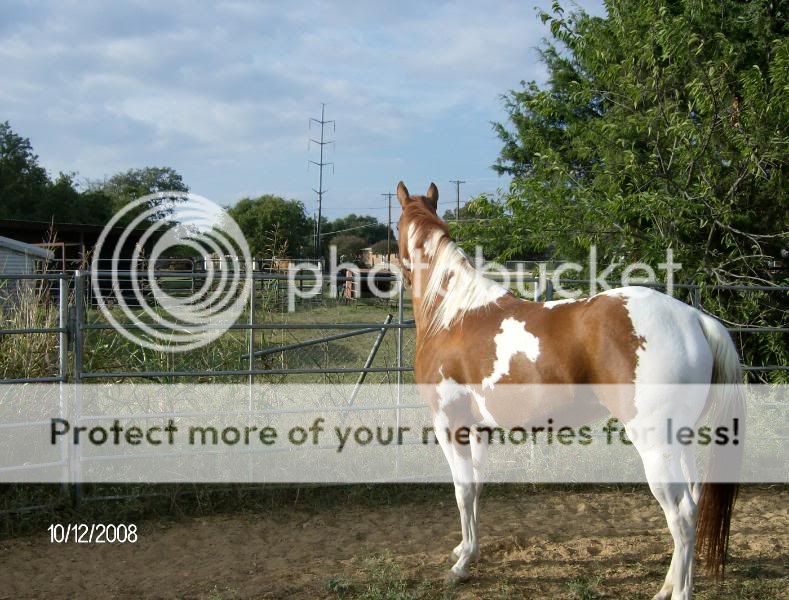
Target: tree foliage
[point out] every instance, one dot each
(349, 247)
(662, 125)
(263, 218)
(27, 192)
(381, 247)
(485, 221)
(129, 186)
(363, 226)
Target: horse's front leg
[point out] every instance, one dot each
(460, 459)
(479, 454)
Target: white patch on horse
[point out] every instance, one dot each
(432, 242)
(487, 418)
(449, 390)
(512, 340)
(411, 237)
(656, 316)
(466, 288)
(551, 303)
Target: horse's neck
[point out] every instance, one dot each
(449, 287)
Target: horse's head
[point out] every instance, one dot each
(419, 221)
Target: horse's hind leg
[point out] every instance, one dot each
(479, 453)
(669, 485)
(688, 461)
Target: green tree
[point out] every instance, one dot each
(380, 247)
(23, 182)
(662, 125)
(349, 246)
(133, 184)
(64, 203)
(363, 226)
(27, 193)
(485, 222)
(267, 217)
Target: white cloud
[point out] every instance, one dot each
(104, 86)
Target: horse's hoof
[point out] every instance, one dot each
(455, 556)
(454, 578)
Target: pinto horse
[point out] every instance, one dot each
(472, 334)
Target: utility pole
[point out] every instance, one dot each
(320, 164)
(457, 183)
(389, 229)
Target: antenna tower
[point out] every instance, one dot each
(320, 164)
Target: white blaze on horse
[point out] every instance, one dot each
(474, 337)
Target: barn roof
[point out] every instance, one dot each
(25, 248)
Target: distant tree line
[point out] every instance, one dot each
(273, 226)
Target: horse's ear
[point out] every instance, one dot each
(402, 194)
(432, 197)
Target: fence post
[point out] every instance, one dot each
(79, 309)
(695, 299)
(400, 333)
(63, 337)
(79, 316)
(548, 290)
(251, 322)
(63, 324)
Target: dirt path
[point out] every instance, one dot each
(547, 545)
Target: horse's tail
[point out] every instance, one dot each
(726, 406)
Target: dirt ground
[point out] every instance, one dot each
(553, 544)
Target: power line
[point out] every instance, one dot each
(550, 229)
(384, 206)
(320, 191)
(366, 225)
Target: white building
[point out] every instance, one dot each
(20, 258)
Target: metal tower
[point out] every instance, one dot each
(320, 164)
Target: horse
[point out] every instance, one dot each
(473, 334)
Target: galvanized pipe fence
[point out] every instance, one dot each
(74, 301)
(72, 296)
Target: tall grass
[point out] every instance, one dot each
(24, 305)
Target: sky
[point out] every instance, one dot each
(223, 92)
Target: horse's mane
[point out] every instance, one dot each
(454, 285)
(423, 222)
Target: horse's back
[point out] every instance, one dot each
(621, 336)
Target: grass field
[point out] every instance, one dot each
(105, 351)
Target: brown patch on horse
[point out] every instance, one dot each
(588, 342)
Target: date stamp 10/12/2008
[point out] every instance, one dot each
(92, 533)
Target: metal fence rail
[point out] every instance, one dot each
(73, 302)
(62, 331)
